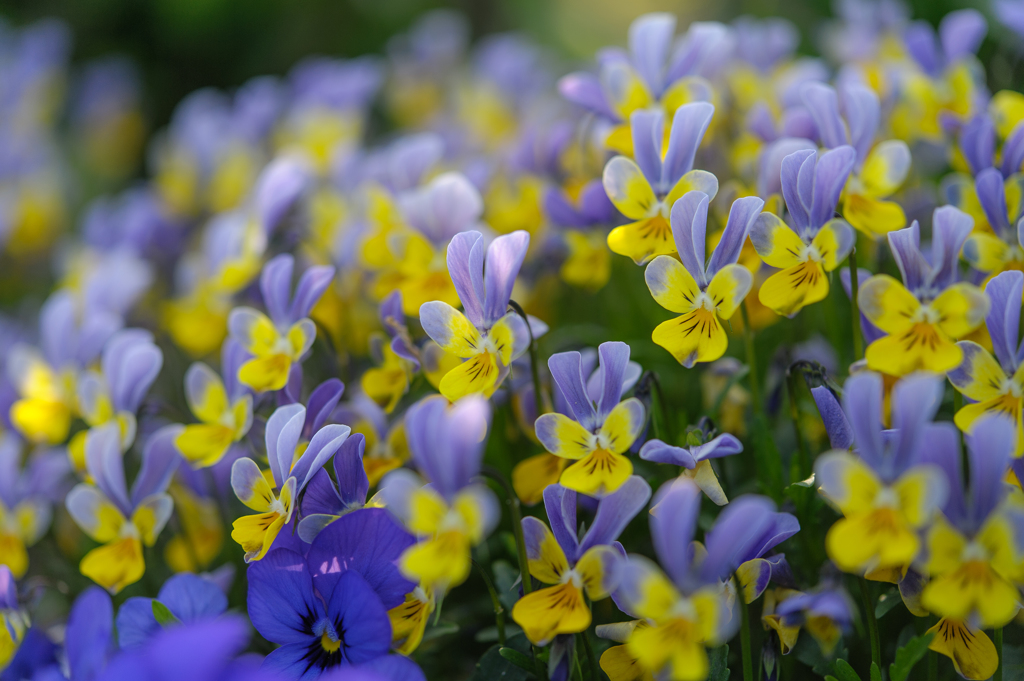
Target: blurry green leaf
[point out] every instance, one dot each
(719, 664)
(517, 658)
(493, 667)
(439, 630)
(505, 577)
(490, 634)
(876, 673)
(844, 672)
(887, 602)
(908, 656)
(163, 615)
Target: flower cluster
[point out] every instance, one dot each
(365, 383)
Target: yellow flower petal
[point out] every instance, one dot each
(477, 375)
(643, 239)
(972, 652)
(545, 613)
(115, 565)
(600, 473)
(789, 291)
(872, 216)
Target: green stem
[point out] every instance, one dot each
(869, 616)
(499, 611)
(517, 524)
(794, 413)
(748, 337)
(748, 665)
(999, 651)
(659, 414)
(534, 372)
(591, 657)
(858, 342)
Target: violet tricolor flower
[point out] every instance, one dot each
(696, 459)
(324, 503)
(999, 198)
(815, 241)
(488, 336)
(574, 566)
(294, 460)
(283, 338)
(601, 428)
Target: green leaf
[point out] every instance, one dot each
(886, 602)
(844, 672)
(719, 664)
(831, 678)
(908, 656)
(876, 673)
(494, 667)
(517, 658)
(164, 617)
(440, 629)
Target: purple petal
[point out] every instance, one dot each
(130, 363)
(781, 527)
(991, 445)
(584, 89)
(690, 123)
(284, 429)
(136, 623)
(920, 41)
(105, 463)
(466, 268)
(646, 127)
(862, 111)
(674, 514)
(367, 541)
(797, 186)
(862, 402)
(992, 196)
(961, 33)
(614, 362)
(840, 432)
(1005, 290)
(915, 399)
(560, 507)
(830, 175)
(1013, 151)
(940, 446)
(321, 447)
(950, 229)
(689, 230)
(281, 603)
(723, 445)
(742, 215)
(160, 458)
(560, 211)
(384, 668)
(595, 205)
(320, 497)
(191, 598)
(280, 185)
(615, 511)
(978, 142)
(761, 122)
(565, 369)
(823, 104)
(321, 403)
(447, 443)
(311, 287)
(276, 287)
(348, 469)
(660, 452)
(905, 245)
(89, 634)
(360, 616)
(650, 38)
(504, 258)
(736, 534)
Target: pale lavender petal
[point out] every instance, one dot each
(1013, 151)
(284, 429)
(311, 287)
(797, 191)
(862, 403)
(940, 446)
(830, 175)
(761, 122)
(688, 127)
(769, 179)
(279, 186)
(905, 245)
(674, 514)
(614, 360)
(840, 432)
(349, 471)
(978, 142)
(1011, 14)
(615, 511)
(742, 215)
(105, 463)
(560, 507)
(57, 330)
(646, 129)
(661, 452)
(160, 458)
(322, 447)
(466, 268)
(722, 445)
(862, 112)
(559, 211)
(504, 258)
(689, 229)
(920, 41)
(1005, 290)
(961, 33)
(565, 370)
(131, 362)
(823, 104)
(991, 445)
(584, 89)
(782, 527)
(595, 205)
(737, 532)
(650, 38)
(276, 287)
(950, 229)
(915, 399)
(992, 196)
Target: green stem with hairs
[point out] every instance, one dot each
(998, 676)
(748, 337)
(499, 611)
(517, 523)
(869, 616)
(858, 342)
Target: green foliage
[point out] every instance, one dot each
(908, 656)
(164, 617)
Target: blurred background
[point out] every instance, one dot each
(182, 45)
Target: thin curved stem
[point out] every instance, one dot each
(999, 651)
(517, 523)
(499, 610)
(748, 664)
(869, 616)
(748, 337)
(534, 372)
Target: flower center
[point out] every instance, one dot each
(811, 253)
(329, 638)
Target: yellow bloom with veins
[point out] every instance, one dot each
(974, 575)
(387, 383)
(981, 378)
(47, 399)
(409, 619)
(256, 533)
(118, 562)
(562, 608)
(442, 557)
(222, 421)
(880, 176)
(532, 475)
(274, 350)
(588, 265)
(972, 652)
(697, 335)
(680, 628)
(202, 532)
(921, 335)
(881, 521)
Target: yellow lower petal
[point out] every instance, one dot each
(204, 444)
(873, 217)
(550, 611)
(477, 375)
(619, 665)
(266, 373)
(694, 337)
(443, 560)
(408, 622)
(13, 554)
(922, 347)
(972, 652)
(532, 476)
(115, 565)
(676, 643)
(41, 420)
(600, 472)
(878, 537)
(256, 533)
(643, 240)
(789, 291)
